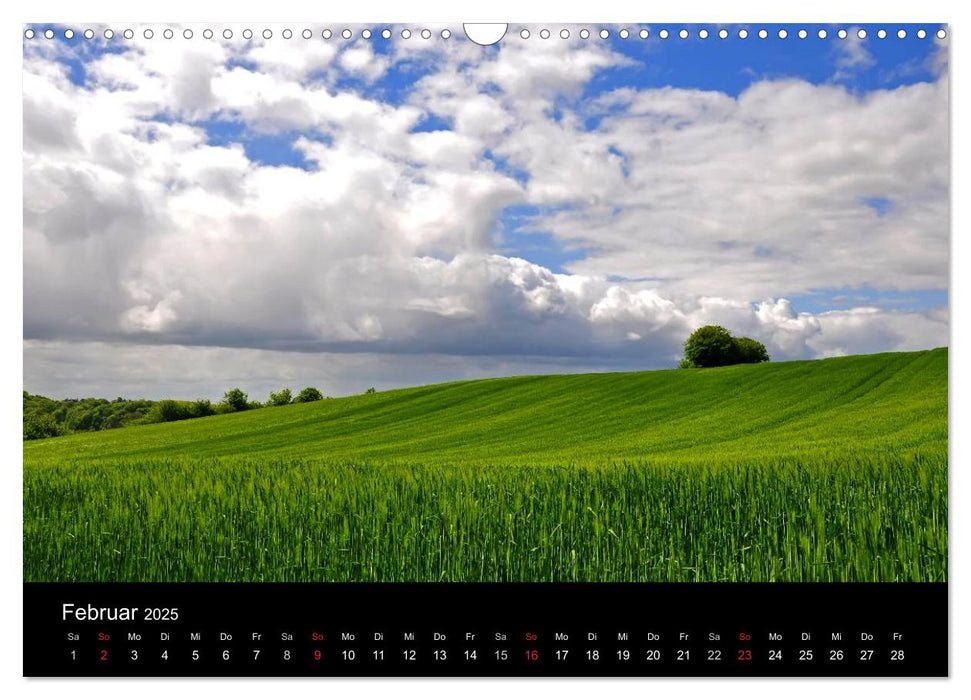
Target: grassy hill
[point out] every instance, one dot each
(831, 470)
(873, 402)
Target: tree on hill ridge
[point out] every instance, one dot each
(714, 346)
(281, 398)
(308, 394)
(236, 399)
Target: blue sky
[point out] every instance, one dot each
(785, 186)
(730, 65)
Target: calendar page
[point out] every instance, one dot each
(485, 350)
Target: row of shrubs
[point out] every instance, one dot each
(45, 417)
(234, 400)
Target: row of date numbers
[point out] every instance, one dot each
(531, 655)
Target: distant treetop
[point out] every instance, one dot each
(308, 394)
(714, 346)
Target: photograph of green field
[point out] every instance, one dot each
(824, 470)
(375, 304)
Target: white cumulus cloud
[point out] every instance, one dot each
(143, 233)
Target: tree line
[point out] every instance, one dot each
(45, 417)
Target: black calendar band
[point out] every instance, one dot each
(460, 629)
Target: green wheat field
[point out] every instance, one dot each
(826, 470)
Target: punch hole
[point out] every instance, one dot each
(485, 34)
